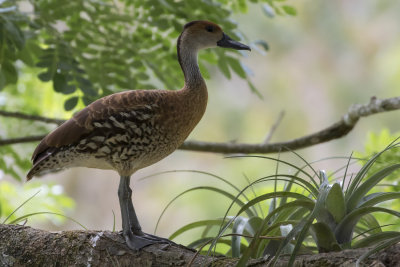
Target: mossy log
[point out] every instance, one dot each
(26, 246)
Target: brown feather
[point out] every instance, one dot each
(81, 124)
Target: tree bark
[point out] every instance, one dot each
(26, 246)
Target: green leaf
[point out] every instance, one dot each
(29, 53)
(301, 202)
(370, 223)
(271, 196)
(65, 66)
(289, 10)
(311, 188)
(200, 242)
(194, 225)
(86, 86)
(252, 225)
(242, 6)
(60, 84)
(45, 76)
(14, 33)
(208, 188)
(3, 81)
(324, 238)
(21, 205)
(24, 217)
(254, 89)
(223, 66)
(238, 228)
(377, 142)
(300, 230)
(71, 103)
(236, 66)
(377, 198)
(363, 189)
(142, 76)
(12, 163)
(364, 170)
(345, 228)
(319, 205)
(335, 203)
(87, 100)
(10, 73)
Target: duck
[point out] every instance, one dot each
(131, 130)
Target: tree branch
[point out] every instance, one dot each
(26, 246)
(21, 140)
(335, 131)
(24, 116)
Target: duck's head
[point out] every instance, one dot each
(201, 34)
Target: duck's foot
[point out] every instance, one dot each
(139, 240)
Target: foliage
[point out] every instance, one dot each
(13, 164)
(93, 48)
(307, 214)
(14, 160)
(48, 199)
(375, 143)
(50, 202)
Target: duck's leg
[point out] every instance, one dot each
(134, 237)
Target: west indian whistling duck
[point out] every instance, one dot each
(131, 130)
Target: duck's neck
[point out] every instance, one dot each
(187, 56)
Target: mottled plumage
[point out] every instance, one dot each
(125, 131)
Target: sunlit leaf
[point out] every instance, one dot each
(289, 10)
(363, 189)
(194, 225)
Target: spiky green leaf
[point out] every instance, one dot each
(335, 202)
(324, 237)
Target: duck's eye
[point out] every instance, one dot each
(209, 28)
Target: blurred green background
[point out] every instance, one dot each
(331, 55)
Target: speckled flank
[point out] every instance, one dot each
(127, 139)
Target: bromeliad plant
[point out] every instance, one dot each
(309, 215)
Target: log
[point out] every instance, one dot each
(26, 246)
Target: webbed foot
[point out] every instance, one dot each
(139, 240)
